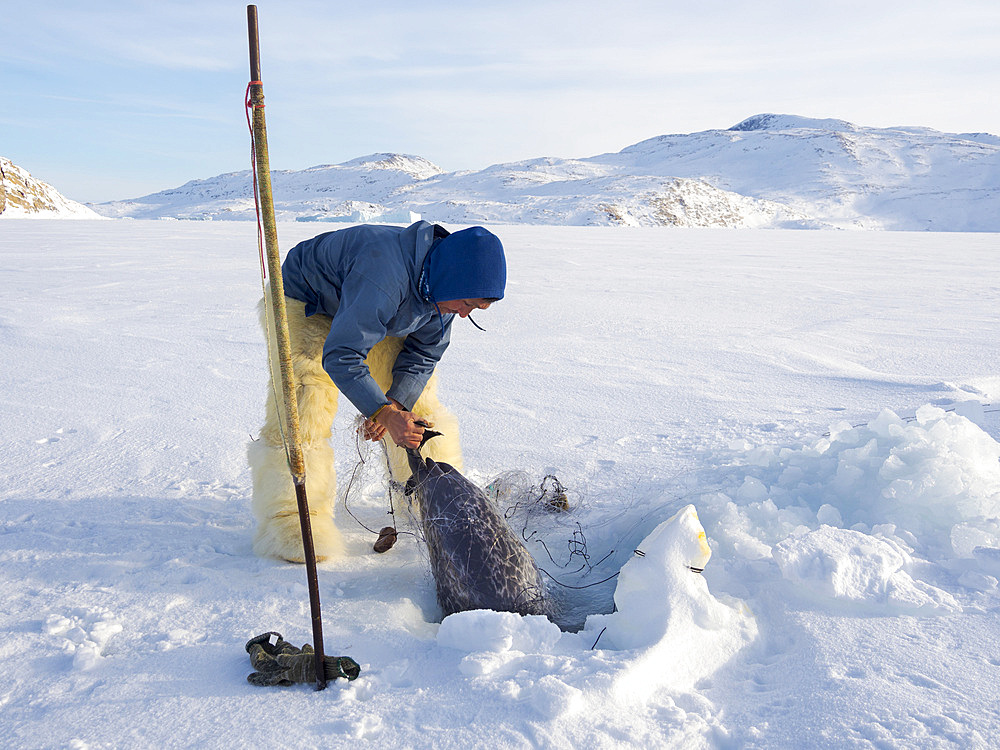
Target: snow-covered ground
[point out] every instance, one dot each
(825, 401)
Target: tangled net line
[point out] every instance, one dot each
(528, 503)
(364, 450)
(524, 504)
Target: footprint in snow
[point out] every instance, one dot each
(84, 634)
(60, 434)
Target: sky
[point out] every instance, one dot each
(124, 98)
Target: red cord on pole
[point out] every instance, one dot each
(253, 169)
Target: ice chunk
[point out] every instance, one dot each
(829, 515)
(849, 565)
(665, 612)
(977, 581)
(753, 490)
(885, 424)
(966, 537)
(486, 630)
(936, 478)
(988, 559)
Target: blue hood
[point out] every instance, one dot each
(469, 264)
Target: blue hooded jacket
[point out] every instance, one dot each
(369, 280)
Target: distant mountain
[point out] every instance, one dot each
(840, 174)
(22, 196)
(358, 190)
(769, 171)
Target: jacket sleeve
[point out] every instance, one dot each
(359, 323)
(415, 364)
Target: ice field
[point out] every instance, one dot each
(826, 401)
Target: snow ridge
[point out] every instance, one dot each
(790, 122)
(768, 171)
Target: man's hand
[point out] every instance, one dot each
(372, 430)
(405, 428)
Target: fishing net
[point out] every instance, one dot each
(541, 515)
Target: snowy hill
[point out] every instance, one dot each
(357, 190)
(838, 173)
(588, 192)
(22, 196)
(769, 171)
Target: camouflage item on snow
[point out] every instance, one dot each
(280, 663)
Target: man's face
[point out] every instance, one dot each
(462, 307)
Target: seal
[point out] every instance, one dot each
(477, 561)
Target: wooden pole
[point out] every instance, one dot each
(275, 291)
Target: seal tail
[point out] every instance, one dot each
(428, 434)
(413, 454)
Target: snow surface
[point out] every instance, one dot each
(824, 401)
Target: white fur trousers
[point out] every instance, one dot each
(274, 504)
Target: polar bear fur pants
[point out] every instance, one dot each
(274, 505)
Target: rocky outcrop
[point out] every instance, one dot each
(22, 196)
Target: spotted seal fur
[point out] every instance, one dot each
(477, 561)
